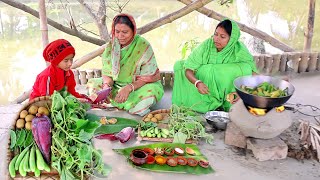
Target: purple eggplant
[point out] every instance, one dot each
(41, 131)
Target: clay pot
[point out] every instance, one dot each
(149, 151)
(138, 157)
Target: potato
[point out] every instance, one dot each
(20, 123)
(43, 111)
(29, 117)
(28, 125)
(158, 116)
(33, 110)
(150, 116)
(103, 120)
(146, 119)
(154, 119)
(112, 121)
(23, 114)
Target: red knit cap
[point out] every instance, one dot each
(57, 50)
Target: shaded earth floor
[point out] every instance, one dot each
(228, 162)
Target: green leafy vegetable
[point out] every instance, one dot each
(13, 139)
(21, 138)
(73, 154)
(29, 138)
(265, 89)
(186, 124)
(179, 137)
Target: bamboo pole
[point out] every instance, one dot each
(2, 31)
(43, 23)
(276, 63)
(261, 63)
(318, 66)
(45, 41)
(294, 58)
(309, 32)
(268, 63)
(173, 16)
(283, 62)
(313, 62)
(303, 64)
(88, 57)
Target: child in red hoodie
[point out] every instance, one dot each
(60, 54)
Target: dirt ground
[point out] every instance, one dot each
(228, 162)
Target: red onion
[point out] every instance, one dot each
(125, 134)
(110, 137)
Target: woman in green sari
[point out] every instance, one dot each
(204, 80)
(129, 68)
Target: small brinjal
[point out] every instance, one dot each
(41, 131)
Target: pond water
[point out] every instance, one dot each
(21, 47)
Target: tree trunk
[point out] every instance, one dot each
(309, 32)
(43, 23)
(99, 18)
(254, 32)
(173, 16)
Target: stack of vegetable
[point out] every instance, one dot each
(182, 125)
(265, 89)
(62, 142)
(26, 116)
(150, 129)
(28, 157)
(73, 154)
(186, 124)
(31, 148)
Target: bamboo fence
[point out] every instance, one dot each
(268, 64)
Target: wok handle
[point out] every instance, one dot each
(289, 108)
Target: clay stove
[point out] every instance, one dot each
(258, 132)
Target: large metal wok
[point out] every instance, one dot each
(258, 101)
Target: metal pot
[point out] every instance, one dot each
(217, 119)
(259, 101)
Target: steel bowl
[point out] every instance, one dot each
(217, 119)
(259, 101)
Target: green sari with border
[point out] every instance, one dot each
(126, 65)
(216, 69)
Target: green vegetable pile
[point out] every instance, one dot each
(186, 124)
(73, 154)
(265, 89)
(29, 159)
(150, 129)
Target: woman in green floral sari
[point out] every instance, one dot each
(129, 68)
(204, 80)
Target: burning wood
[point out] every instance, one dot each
(280, 109)
(257, 111)
(310, 136)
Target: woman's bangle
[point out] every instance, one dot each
(132, 87)
(195, 83)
